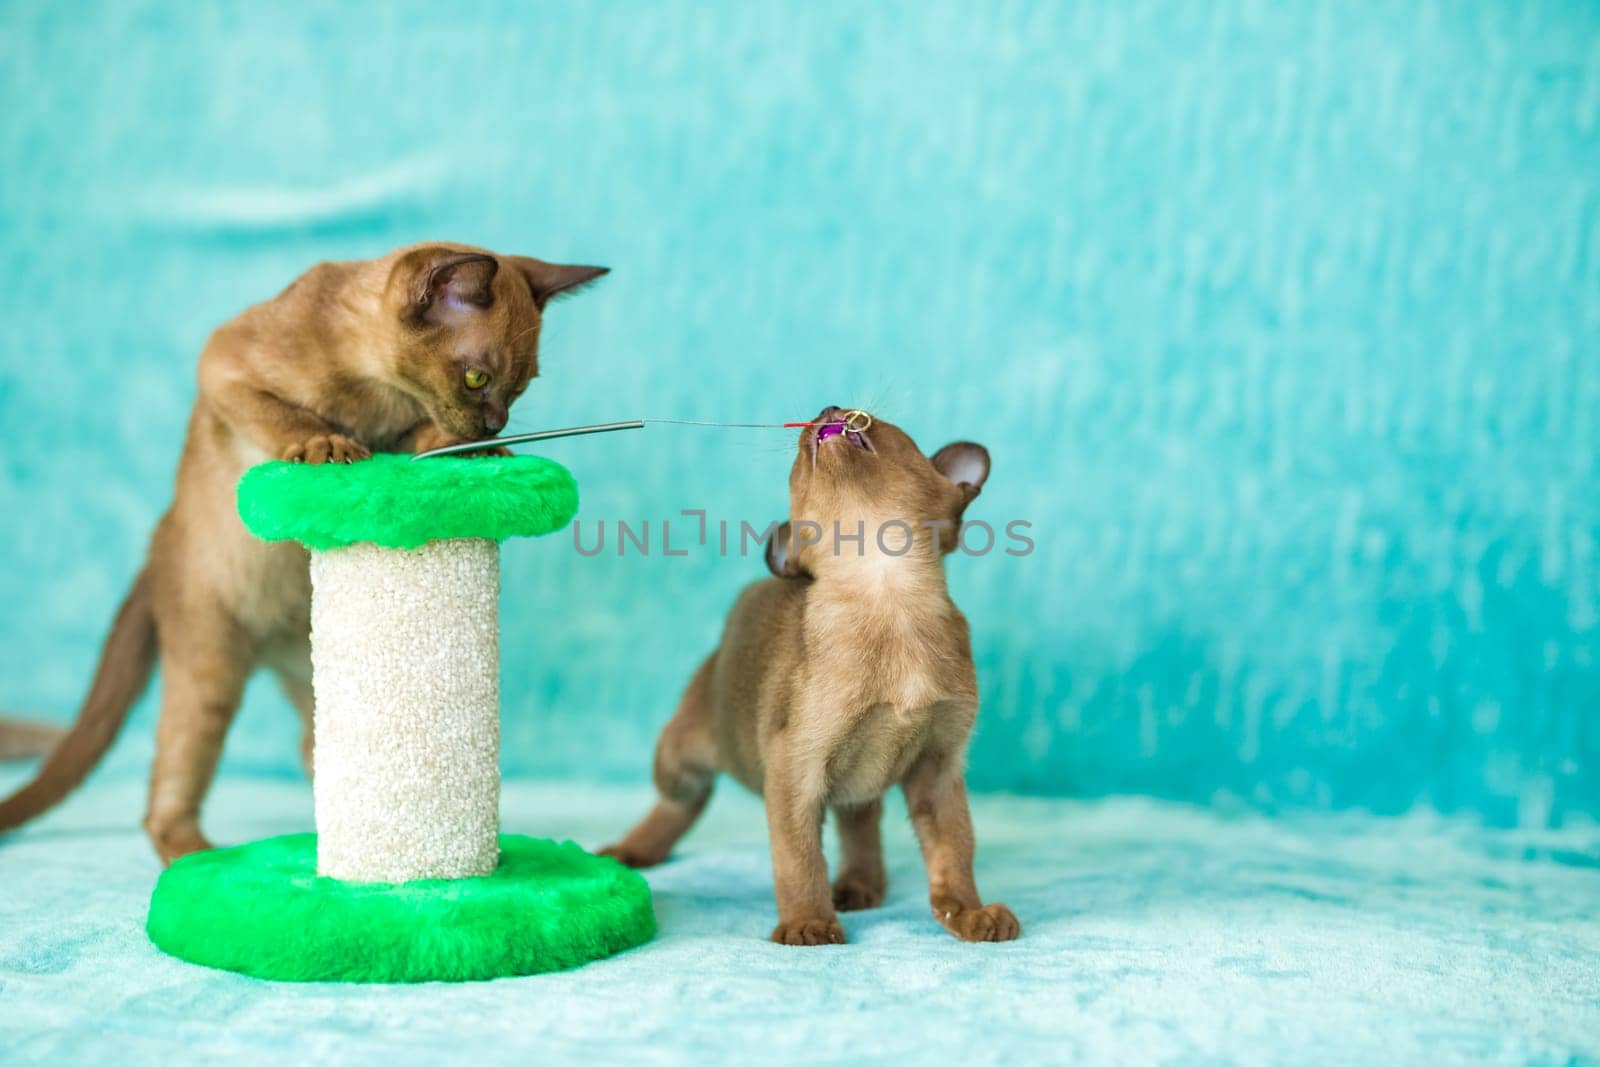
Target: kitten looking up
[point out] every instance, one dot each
(426, 346)
(847, 672)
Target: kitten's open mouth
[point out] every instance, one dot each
(827, 431)
(849, 426)
(837, 429)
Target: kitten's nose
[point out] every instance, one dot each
(831, 413)
(494, 418)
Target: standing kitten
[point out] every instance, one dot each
(847, 673)
(426, 346)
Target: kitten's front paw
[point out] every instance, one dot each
(429, 437)
(630, 855)
(992, 922)
(857, 892)
(175, 839)
(809, 932)
(327, 448)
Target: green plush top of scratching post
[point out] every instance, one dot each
(393, 501)
(260, 909)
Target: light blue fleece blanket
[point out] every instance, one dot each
(1152, 932)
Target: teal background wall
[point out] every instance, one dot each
(1280, 320)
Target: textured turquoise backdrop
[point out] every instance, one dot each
(1280, 320)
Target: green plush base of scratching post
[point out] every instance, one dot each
(260, 909)
(398, 502)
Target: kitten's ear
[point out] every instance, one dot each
(442, 287)
(967, 465)
(783, 558)
(549, 280)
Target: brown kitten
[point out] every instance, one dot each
(848, 672)
(426, 346)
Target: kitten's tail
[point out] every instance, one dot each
(126, 660)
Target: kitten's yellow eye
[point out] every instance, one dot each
(475, 378)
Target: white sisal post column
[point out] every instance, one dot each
(405, 653)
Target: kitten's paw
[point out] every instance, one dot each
(854, 892)
(478, 453)
(175, 840)
(327, 448)
(630, 856)
(809, 932)
(429, 437)
(992, 922)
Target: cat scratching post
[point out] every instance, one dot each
(408, 877)
(405, 655)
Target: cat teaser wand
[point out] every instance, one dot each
(854, 421)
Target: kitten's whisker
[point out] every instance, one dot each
(519, 336)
